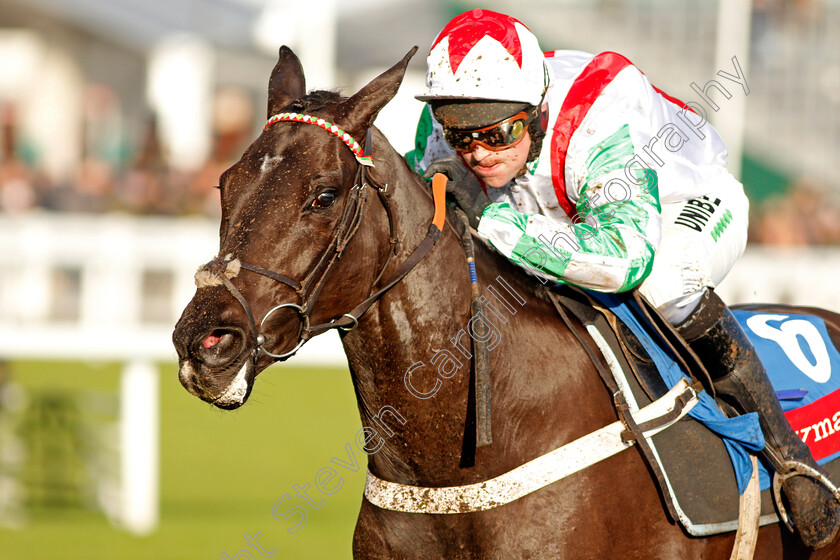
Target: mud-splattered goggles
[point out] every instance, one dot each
(496, 137)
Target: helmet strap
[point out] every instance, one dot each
(543, 106)
(543, 109)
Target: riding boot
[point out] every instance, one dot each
(740, 379)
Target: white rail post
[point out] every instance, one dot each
(733, 40)
(139, 447)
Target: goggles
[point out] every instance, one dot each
(496, 137)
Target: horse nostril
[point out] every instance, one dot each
(212, 340)
(221, 345)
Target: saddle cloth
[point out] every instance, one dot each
(804, 367)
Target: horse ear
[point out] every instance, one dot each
(359, 112)
(287, 82)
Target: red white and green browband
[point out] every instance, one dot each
(329, 127)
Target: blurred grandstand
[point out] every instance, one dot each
(137, 106)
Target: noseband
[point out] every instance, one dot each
(221, 270)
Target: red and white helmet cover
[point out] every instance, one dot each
(482, 54)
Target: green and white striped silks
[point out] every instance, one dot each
(609, 246)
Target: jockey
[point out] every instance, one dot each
(576, 168)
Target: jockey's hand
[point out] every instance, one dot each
(463, 185)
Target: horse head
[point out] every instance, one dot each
(301, 241)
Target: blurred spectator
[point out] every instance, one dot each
(203, 197)
(806, 215)
(90, 189)
(232, 122)
(16, 191)
(146, 187)
(17, 181)
(110, 179)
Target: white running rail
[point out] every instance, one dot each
(110, 288)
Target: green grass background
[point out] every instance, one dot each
(220, 472)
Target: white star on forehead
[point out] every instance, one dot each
(269, 161)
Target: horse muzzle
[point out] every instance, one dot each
(232, 396)
(215, 353)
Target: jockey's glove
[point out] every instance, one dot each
(463, 185)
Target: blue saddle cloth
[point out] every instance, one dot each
(739, 434)
(804, 367)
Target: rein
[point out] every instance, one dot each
(310, 287)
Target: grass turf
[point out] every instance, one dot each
(220, 472)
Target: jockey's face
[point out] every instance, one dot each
(497, 168)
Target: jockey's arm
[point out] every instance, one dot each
(611, 243)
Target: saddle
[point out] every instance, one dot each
(689, 462)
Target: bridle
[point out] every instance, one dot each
(310, 287)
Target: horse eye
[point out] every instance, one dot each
(324, 200)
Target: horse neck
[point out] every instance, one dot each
(408, 357)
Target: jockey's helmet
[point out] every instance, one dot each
(482, 55)
(485, 67)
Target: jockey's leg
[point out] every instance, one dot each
(741, 380)
(693, 256)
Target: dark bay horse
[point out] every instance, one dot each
(288, 207)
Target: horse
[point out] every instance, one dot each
(309, 230)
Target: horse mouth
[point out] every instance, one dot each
(231, 396)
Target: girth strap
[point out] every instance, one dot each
(525, 479)
(666, 418)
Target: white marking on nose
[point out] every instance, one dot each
(235, 393)
(186, 373)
